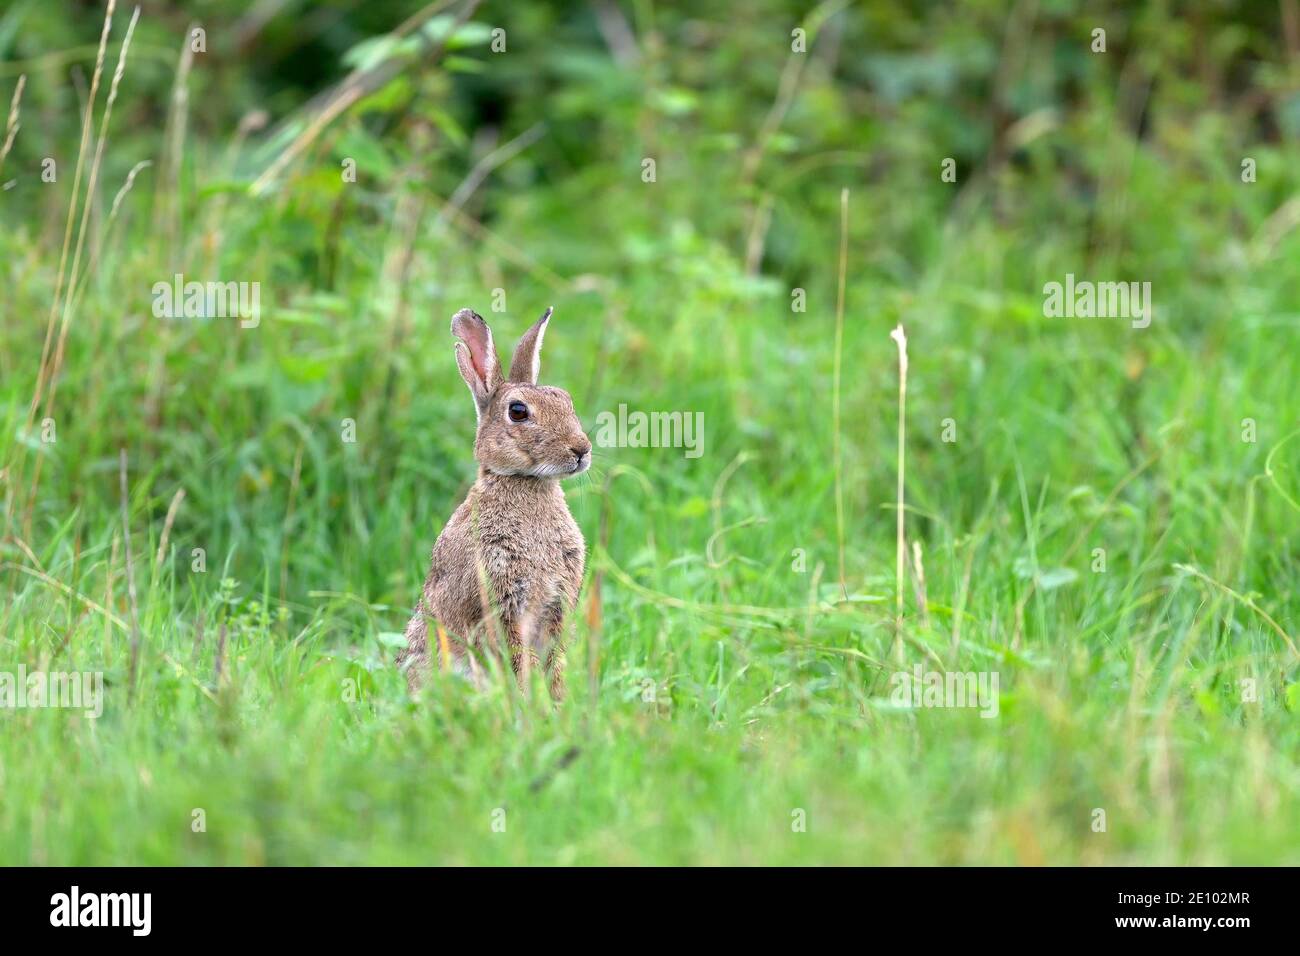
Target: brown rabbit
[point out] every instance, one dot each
(510, 561)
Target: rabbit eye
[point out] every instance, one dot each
(518, 411)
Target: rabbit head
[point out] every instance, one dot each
(523, 428)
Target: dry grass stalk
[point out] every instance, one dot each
(167, 528)
(42, 372)
(130, 576)
(900, 337)
(835, 386)
(12, 125)
(52, 377)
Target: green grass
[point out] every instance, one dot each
(1119, 690)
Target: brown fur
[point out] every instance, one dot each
(509, 563)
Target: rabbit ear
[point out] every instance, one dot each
(527, 361)
(476, 356)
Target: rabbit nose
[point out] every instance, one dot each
(581, 450)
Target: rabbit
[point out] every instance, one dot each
(511, 559)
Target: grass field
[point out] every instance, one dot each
(1107, 516)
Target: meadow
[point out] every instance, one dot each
(230, 519)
